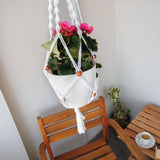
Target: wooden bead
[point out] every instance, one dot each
(94, 94)
(95, 56)
(47, 68)
(79, 73)
(62, 100)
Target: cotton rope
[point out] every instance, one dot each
(50, 10)
(74, 12)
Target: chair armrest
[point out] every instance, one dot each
(127, 140)
(42, 151)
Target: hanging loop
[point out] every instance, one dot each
(57, 18)
(50, 11)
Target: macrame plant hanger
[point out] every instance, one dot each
(74, 91)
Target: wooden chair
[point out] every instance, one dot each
(63, 125)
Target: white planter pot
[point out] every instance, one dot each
(80, 94)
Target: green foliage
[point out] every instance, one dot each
(114, 94)
(86, 64)
(98, 65)
(59, 61)
(92, 44)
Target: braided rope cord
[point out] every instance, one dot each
(50, 11)
(79, 12)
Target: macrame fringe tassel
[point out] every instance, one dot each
(80, 121)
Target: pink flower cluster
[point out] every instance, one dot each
(86, 28)
(68, 29)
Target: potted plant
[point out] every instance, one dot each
(120, 115)
(74, 88)
(59, 63)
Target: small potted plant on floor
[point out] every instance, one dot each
(120, 115)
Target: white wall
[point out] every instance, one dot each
(10, 138)
(23, 28)
(138, 47)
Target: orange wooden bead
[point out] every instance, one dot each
(62, 100)
(78, 73)
(95, 56)
(94, 94)
(47, 68)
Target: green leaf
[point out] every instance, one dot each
(67, 39)
(62, 70)
(74, 52)
(85, 55)
(74, 42)
(92, 43)
(63, 54)
(47, 46)
(98, 65)
(55, 50)
(59, 44)
(85, 51)
(66, 68)
(86, 64)
(52, 63)
(84, 48)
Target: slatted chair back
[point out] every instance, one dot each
(62, 125)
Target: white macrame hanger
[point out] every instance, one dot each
(74, 12)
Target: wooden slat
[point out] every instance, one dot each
(95, 154)
(148, 122)
(110, 156)
(69, 113)
(139, 130)
(151, 112)
(151, 117)
(131, 133)
(146, 127)
(71, 122)
(72, 131)
(155, 108)
(81, 150)
(58, 117)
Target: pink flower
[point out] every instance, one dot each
(90, 30)
(74, 28)
(67, 29)
(85, 27)
(54, 32)
(68, 33)
(64, 25)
